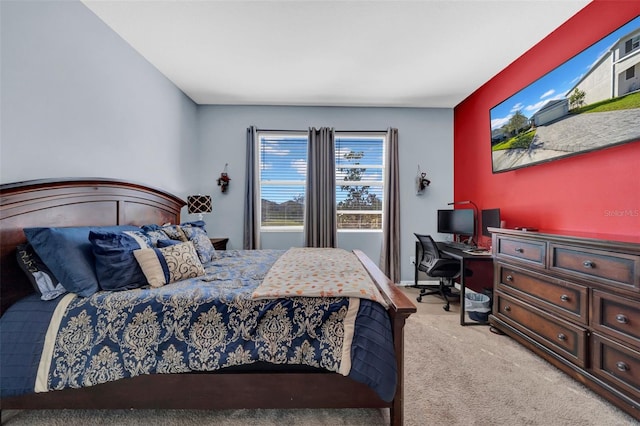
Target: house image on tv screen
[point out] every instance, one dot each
(615, 74)
(590, 102)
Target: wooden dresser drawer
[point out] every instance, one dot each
(574, 300)
(622, 270)
(530, 252)
(562, 337)
(567, 299)
(616, 316)
(617, 364)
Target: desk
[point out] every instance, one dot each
(484, 273)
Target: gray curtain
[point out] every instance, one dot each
(251, 224)
(390, 252)
(320, 201)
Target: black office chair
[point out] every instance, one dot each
(434, 265)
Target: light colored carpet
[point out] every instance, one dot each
(454, 376)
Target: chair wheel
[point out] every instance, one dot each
(419, 298)
(446, 308)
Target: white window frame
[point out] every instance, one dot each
(259, 168)
(372, 183)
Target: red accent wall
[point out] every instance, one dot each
(595, 192)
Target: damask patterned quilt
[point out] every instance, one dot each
(200, 324)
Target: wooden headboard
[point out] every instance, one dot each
(71, 202)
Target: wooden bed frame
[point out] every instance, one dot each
(100, 202)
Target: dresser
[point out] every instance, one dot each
(575, 301)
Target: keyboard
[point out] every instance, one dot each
(458, 246)
(478, 252)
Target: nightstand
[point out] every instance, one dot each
(219, 243)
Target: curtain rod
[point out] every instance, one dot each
(306, 130)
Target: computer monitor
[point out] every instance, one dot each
(490, 219)
(458, 221)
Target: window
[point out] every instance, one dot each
(359, 180)
(632, 44)
(282, 165)
(630, 73)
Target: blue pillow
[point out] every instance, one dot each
(167, 243)
(67, 252)
(116, 267)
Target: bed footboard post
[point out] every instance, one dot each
(400, 307)
(397, 408)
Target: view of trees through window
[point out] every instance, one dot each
(359, 180)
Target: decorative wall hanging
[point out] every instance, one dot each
(421, 182)
(224, 179)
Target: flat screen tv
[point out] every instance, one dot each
(490, 219)
(590, 102)
(458, 222)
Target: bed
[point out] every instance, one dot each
(105, 202)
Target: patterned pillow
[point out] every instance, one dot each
(169, 264)
(163, 236)
(41, 278)
(156, 236)
(198, 236)
(175, 232)
(166, 233)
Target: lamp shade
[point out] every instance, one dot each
(199, 204)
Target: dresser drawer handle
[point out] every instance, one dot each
(562, 337)
(588, 264)
(622, 366)
(507, 308)
(564, 298)
(519, 250)
(509, 278)
(622, 319)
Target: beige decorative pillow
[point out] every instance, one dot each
(169, 264)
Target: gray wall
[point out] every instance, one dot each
(77, 100)
(425, 136)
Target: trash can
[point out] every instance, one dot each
(477, 306)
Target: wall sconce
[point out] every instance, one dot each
(223, 180)
(421, 182)
(199, 204)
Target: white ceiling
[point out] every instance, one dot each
(392, 53)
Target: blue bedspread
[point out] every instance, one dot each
(201, 324)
